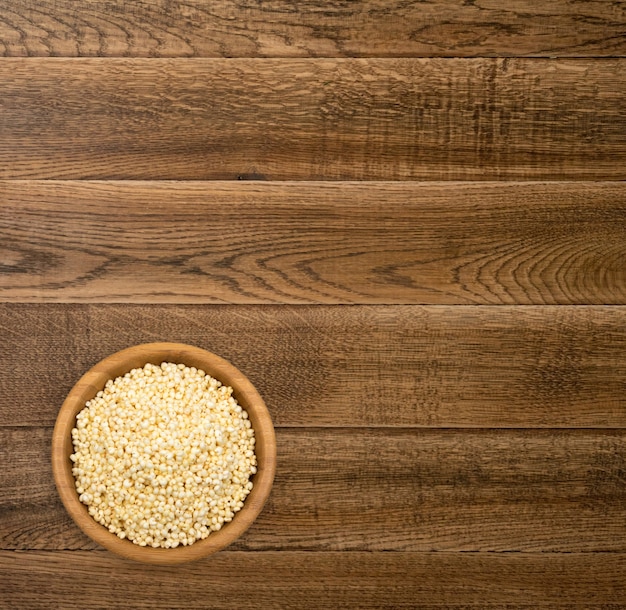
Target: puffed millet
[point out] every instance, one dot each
(163, 455)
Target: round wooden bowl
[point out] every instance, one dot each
(121, 362)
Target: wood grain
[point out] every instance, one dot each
(367, 28)
(245, 177)
(375, 490)
(324, 580)
(346, 366)
(351, 119)
(317, 242)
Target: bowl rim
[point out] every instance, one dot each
(117, 364)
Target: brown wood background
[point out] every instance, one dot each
(405, 221)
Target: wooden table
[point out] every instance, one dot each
(404, 221)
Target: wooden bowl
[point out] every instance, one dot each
(121, 362)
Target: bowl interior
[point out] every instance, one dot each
(155, 353)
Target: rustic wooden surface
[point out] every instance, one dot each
(485, 243)
(403, 221)
(417, 490)
(315, 28)
(313, 119)
(531, 367)
(292, 580)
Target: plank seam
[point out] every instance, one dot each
(402, 429)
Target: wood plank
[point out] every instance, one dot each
(375, 489)
(251, 242)
(295, 580)
(347, 366)
(368, 28)
(352, 119)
